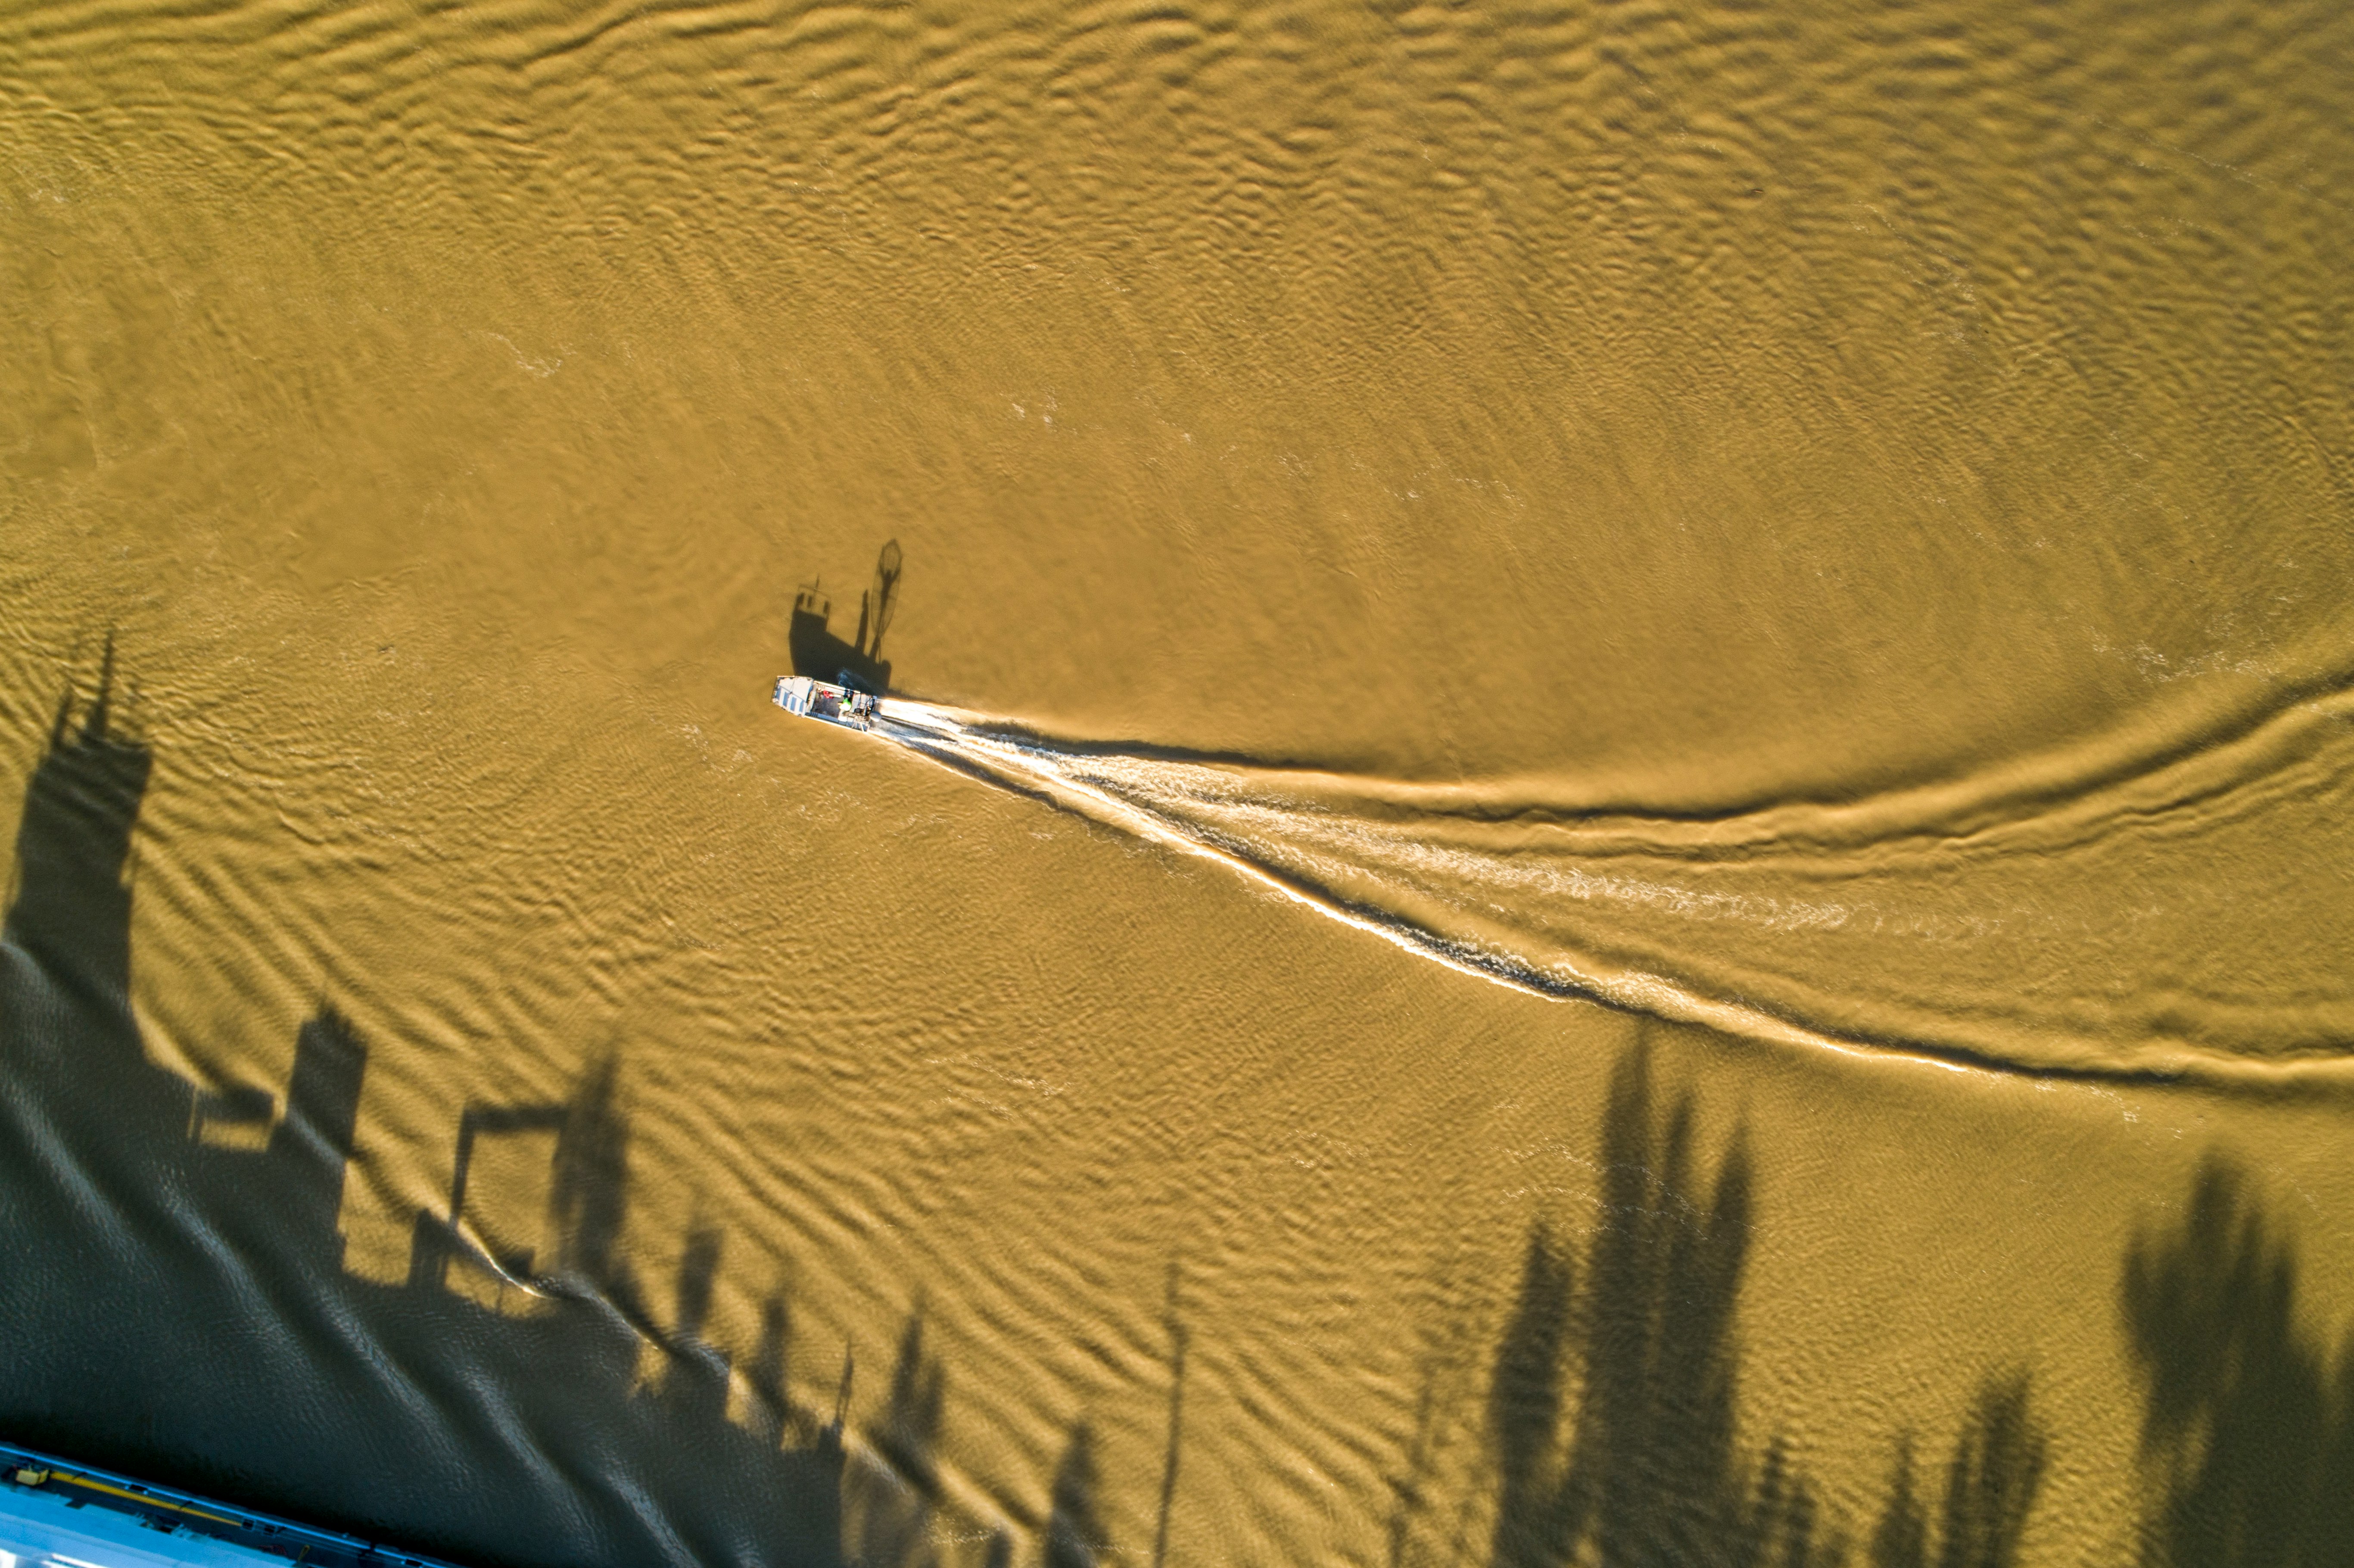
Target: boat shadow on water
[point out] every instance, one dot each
(178, 1309)
(822, 655)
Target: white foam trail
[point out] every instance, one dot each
(1088, 784)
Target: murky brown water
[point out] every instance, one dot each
(1813, 549)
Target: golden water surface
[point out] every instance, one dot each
(1677, 689)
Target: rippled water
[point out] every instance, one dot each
(1939, 909)
(1811, 547)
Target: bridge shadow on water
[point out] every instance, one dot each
(179, 1308)
(176, 1306)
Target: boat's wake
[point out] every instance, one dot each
(2029, 936)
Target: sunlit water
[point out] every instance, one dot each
(1644, 847)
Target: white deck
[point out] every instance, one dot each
(824, 700)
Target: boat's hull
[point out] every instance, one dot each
(825, 700)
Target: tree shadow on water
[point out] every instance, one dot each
(1647, 1469)
(1075, 1533)
(1991, 1485)
(2248, 1428)
(1610, 1417)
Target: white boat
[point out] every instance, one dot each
(844, 706)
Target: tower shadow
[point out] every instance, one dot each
(68, 921)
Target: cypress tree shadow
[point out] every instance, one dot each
(694, 1382)
(1991, 1486)
(1611, 1402)
(2248, 1431)
(1648, 1472)
(774, 1418)
(1536, 1513)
